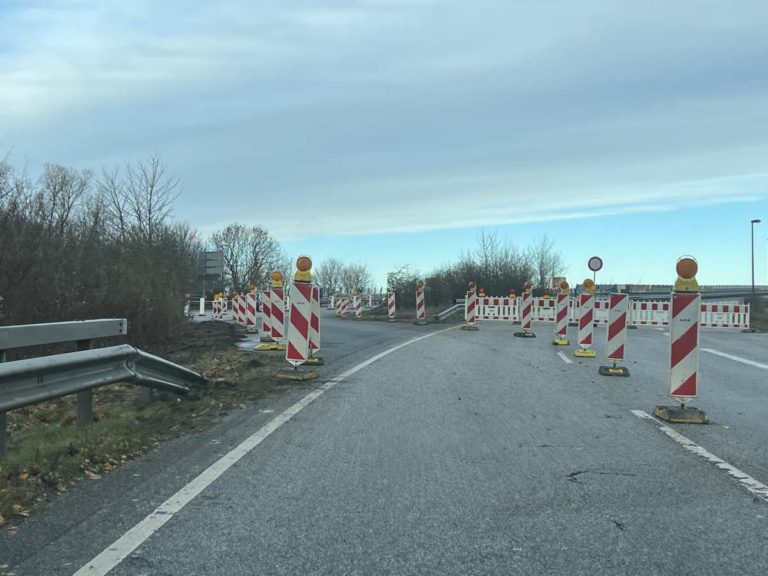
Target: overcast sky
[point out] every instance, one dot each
(392, 131)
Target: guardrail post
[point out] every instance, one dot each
(84, 398)
(3, 420)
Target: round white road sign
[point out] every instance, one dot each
(595, 263)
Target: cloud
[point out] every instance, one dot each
(334, 117)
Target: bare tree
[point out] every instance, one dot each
(250, 255)
(328, 275)
(150, 194)
(355, 277)
(547, 262)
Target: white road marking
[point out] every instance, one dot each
(754, 486)
(136, 536)
(565, 358)
(736, 358)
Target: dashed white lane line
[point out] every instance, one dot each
(736, 358)
(136, 536)
(565, 358)
(754, 486)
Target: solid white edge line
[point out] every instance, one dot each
(564, 358)
(754, 486)
(736, 358)
(119, 550)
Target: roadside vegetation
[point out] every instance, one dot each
(50, 453)
(758, 315)
(496, 265)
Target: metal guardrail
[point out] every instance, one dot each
(26, 382)
(33, 380)
(56, 332)
(448, 312)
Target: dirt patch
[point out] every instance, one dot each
(49, 453)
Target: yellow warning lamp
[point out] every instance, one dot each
(546, 293)
(419, 286)
(481, 291)
(277, 280)
(472, 286)
(686, 275)
(251, 287)
(528, 286)
(589, 285)
(303, 265)
(565, 287)
(512, 293)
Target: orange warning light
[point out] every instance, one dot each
(564, 286)
(687, 267)
(419, 285)
(277, 279)
(472, 286)
(304, 263)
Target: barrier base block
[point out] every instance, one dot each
(266, 339)
(315, 361)
(677, 415)
(561, 342)
(524, 334)
(298, 375)
(420, 323)
(470, 328)
(613, 371)
(270, 347)
(585, 353)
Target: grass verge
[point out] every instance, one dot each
(49, 453)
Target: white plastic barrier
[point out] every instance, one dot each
(493, 308)
(724, 315)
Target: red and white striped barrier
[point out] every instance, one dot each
(684, 346)
(266, 314)
(617, 327)
(339, 301)
(358, 304)
(277, 320)
(421, 311)
(526, 311)
(492, 308)
(243, 312)
(586, 321)
(544, 309)
(391, 306)
(561, 317)
(470, 308)
(250, 302)
(299, 321)
(314, 325)
(235, 310)
(724, 315)
(345, 306)
(649, 313)
(616, 335)
(217, 310)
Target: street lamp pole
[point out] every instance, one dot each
(755, 221)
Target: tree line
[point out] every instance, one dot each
(496, 265)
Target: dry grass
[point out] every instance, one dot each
(49, 452)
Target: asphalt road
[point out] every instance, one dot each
(462, 453)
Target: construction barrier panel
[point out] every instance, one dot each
(561, 315)
(266, 313)
(470, 308)
(277, 321)
(724, 315)
(586, 320)
(492, 308)
(526, 312)
(358, 304)
(421, 311)
(684, 346)
(616, 334)
(314, 326)
(391, 306)
(299, 320)
(250, 302)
